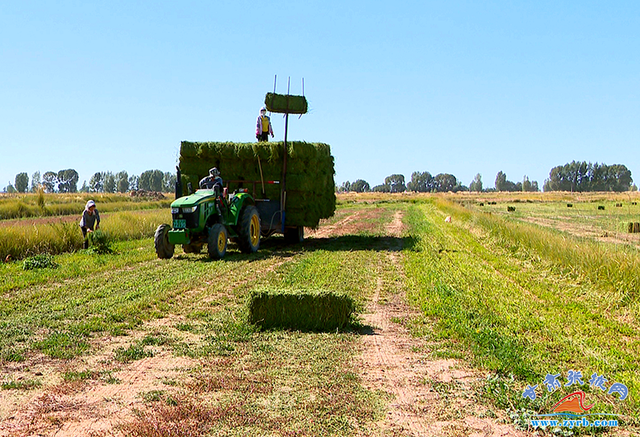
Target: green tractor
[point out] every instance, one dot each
(212, 218)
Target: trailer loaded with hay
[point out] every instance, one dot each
(266, 188)
(291, 191)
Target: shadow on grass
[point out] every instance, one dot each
(360, 242)
(277, 247)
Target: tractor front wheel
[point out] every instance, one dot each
(164, 249)
(217, 242)
(249, 230)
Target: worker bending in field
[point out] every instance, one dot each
(90, 218)
(263, 126)
(211, 181)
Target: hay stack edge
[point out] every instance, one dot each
(309, 180)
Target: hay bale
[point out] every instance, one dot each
(636, 228)
(285, 103)
(511, 208)
(618, 205)
(304, 310)
(569, 205)
(310, 170)
(600, 207)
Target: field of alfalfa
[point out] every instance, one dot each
(123, 343)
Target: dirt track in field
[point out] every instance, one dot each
(391, 360)
(395, 362)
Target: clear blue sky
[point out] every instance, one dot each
(461, 87)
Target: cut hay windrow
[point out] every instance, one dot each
(304, 310)
(309, 180)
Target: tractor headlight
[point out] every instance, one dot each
(175, 210)
(190, 209)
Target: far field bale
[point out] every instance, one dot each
(304, 310)
(618, 205)
(481, 204)
(600, 207)
(634, 228)
(634, 203)
(569, 205)
(511, 208)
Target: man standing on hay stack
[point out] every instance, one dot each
(263, 126)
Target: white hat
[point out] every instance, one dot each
(90, 204)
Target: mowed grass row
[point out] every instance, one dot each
(31, 205)
(61, 236)
(247, 381)
(511, 294)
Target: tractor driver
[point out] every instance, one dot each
(212, 181)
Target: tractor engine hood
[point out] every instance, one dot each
(193, 199)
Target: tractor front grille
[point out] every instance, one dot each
(191, 219)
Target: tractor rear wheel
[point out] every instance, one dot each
(164, 249)
(294, 235)
(217, 242)
(249, 230)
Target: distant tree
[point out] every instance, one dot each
(395, 183)
(151, 180)
(22, 182)
(476, 184)
(122, 181)
(109, 182)
(529, 186)
(502, 184)
(68, 181)
(50, 181)
(133, 182)
(444, 182)
(459, 187)
(35, 182)
(85, 187)
(501, 181)
(360, 186)
(633, 187)
(10, 189)
(382, 188)
(168, 182)
(421, 182)
(345, 187)
(585, 176)
(96, 183)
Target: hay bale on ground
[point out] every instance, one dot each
(304, 310)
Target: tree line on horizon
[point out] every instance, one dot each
(573, 176)
(578, 176)
(66, 181)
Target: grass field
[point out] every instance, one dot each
(128, 344)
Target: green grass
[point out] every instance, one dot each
(517, 301)
(508, 297)
(246, 381)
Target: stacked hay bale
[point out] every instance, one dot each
(309, 181)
